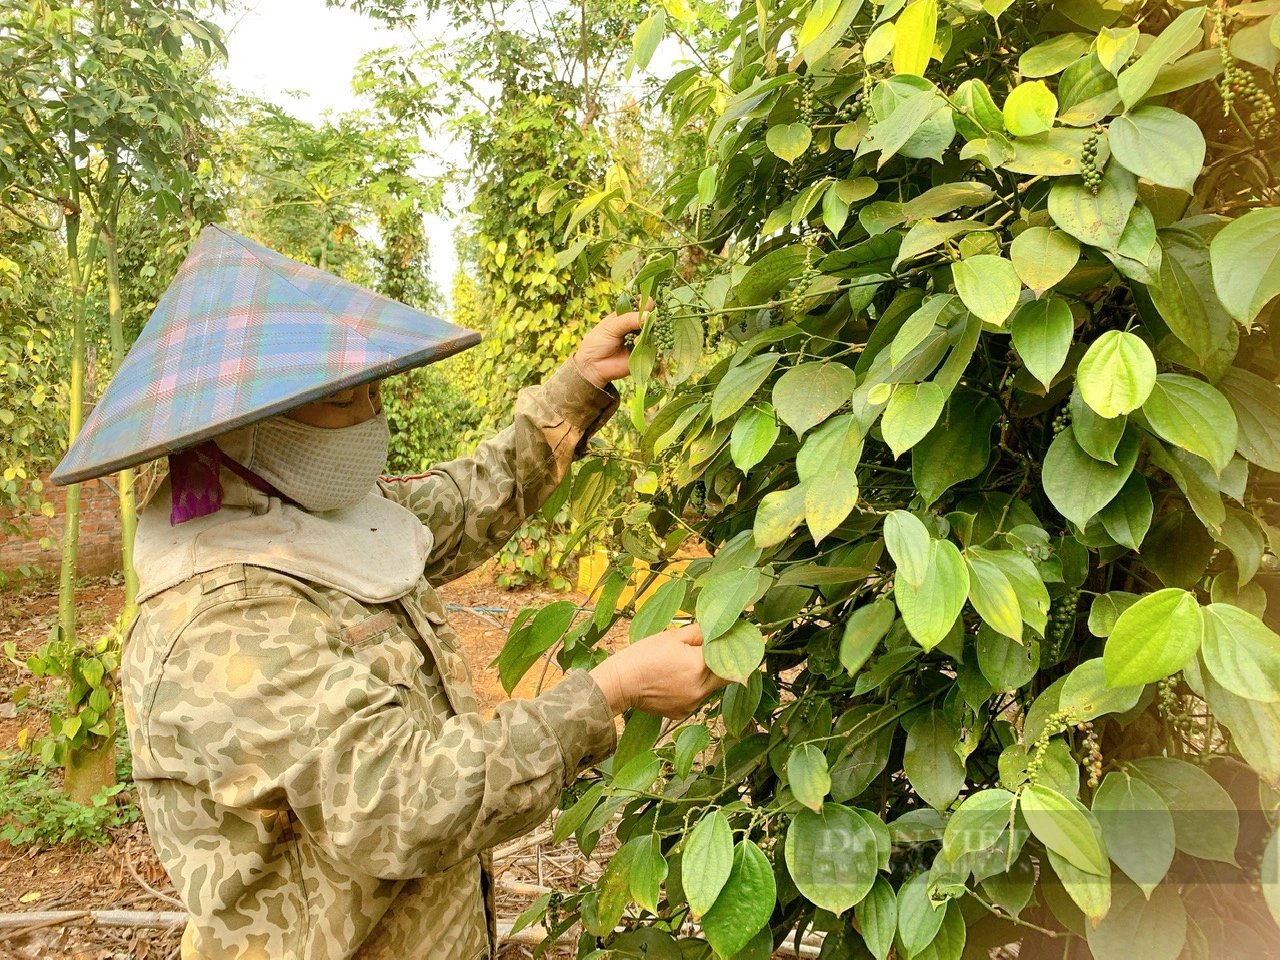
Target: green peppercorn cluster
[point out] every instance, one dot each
(1239, 84)
(1054, 724)
(806, 101)
(1062, 623)
(1088, 163)
(811, 240)
(664, 335)
(1093, 753)
(698, 496)
(1062, 420)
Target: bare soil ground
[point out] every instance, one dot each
(125, 875)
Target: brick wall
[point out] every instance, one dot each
(99, 533)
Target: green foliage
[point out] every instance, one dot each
(34, 812)
(31, 432)
(983, 466)
(87, 718)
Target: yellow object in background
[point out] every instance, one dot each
(594, 567)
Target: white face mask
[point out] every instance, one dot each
(320, 468)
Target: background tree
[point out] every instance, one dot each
(99, 97)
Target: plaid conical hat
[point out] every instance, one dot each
(244, 333)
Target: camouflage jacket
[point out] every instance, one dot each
(313, 771)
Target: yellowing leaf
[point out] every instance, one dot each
(914, 36)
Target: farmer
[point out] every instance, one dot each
(308, 754)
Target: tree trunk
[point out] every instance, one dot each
(125, 479)
(88, 770)
(75, 418)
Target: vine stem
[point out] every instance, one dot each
(1017, 921)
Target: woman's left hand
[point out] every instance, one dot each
(603, 357)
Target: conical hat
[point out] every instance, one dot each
(244, 333)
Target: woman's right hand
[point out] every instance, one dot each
(663, 674)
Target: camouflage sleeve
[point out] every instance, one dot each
(474, 504)
(274, 706)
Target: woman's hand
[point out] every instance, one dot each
(663, 674)
(603, 357)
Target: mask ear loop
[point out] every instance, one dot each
(197, 487)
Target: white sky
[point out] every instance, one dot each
(301, 54)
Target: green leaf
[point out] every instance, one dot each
(1115, 46)
(706, 862)
(908, 118)
(988, 285)
(994, 597)
(736, 653)
(1042, 257)
(638, 738)
(877, 916)
(931, 763)
(1154, 638)
(919, 918)
(1030, 109)
(808, 776)
(1206, 823)
(648, 35)
(1054, 55)
(1136, 81)
(828, 468)
(1127, 518)
(909, 544)
(945, 198)
(745, 903)
(739, 385)
(1005, 663)
(926, 234)
(657, 613)
(1152, 929)
(1087, 695)
(778, 515)
(768, 275)
(978, 823)
(919, 325)
(648, 871)
(1254, 726)
(1063, 827)
(930, 610)
(723, 598)
(1137, 827)
(1245, 255)
(863, 631)
(1079, 486)
(1106, 609)
(614, 891)
(1193, 415)
(958, 448)
(1098, 220)
(1241, 652)
(529, 642)
(1098, 437)
(832, 856)
(914, 36)
(807, 394)
(689, 743)
(789, 141)
(1042, 333)
(754, 434)
(912, 412)
(821, 43)
(1256, 403)
(948, 943)
(1182, 307)
(1117, 374)
(1160, 145)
